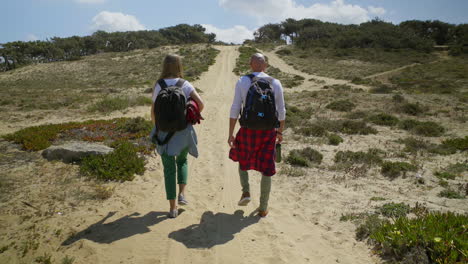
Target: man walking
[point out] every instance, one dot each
(259, 101)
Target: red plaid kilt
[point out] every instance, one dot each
(255, 150)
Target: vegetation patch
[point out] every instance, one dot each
(394, 210)
(434, 237)
(297, 116)
(383, 119)
(395, 169)
(341, 105)
(427, 129)
(305, 157)
(111, 104)
(413, 109)
(371, 157)
(451, 194)
(120, 165)
(457, 143)
(41, 137)
(313, 129)
(334, 139)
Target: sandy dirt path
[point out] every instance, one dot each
(276, 61)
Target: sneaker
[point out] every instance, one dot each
(262, 213)
(173, 213)
(181, 200)
(245, 199)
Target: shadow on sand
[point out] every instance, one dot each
(214, 229)
(124, 227)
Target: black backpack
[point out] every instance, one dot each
(170, 108)
(259, 110)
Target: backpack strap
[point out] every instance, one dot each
(251, 76)
(162, 83)
(180, 82)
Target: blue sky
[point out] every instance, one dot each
(231, 20)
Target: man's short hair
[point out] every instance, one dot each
(259, 57)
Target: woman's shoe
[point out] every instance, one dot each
(181, 200)
(245, 199)
(173, 213)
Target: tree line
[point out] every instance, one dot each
(412, 34)
(18, 53)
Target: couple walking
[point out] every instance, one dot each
(258, 105)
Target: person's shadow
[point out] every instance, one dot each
(213, 229)
(123, 227)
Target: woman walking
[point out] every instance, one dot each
(175, 137)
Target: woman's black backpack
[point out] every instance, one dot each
(170, 107)
(259, 111)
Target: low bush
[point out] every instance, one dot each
(413, 109)
(334, 139)
(341, 105)
(435, 237)
(398, 98)
(284, 52)
(312, 130)
(357, 115)
(382, 89)
(451, 194)
(394, 210)
(297, 116)
(395, 169)
(369, 158)
(120, 165)
(445, 175)
(457, 143)
(383, 119)
(305, 157)
(351, 127)
(137, 125)
(414, 145)
(427, 129)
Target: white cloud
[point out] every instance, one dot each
(236, 34)
(31, 37)
(277, 10)
(377, 10)
(91, 1)
(110, 22)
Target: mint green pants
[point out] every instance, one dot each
(265, 187)
(170, 163)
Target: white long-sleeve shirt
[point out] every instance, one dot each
(242, 88)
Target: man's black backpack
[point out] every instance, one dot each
(170, 109)
(259, 110)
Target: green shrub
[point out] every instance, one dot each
(398, 98)
(451, 194)
(457, 143)
(305, 157)
(413, 109)
(394, 210)
(371, 224)
(427, 129)
(296, 116)
(143, 100)
(120, 165)
(110, 104)
(442, 236)
(334, 139)
(382, 89)
(377, 198)
(414, 144)
(395, 169)
(383, 119)
(284, 52)
(357, 115)
(137, 125)
(361, 157)
(445, 175)
(442, 149)
(312, 130)
(352, 127)
(341, 105)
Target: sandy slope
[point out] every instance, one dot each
(132, 227)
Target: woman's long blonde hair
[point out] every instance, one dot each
(172, 67)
